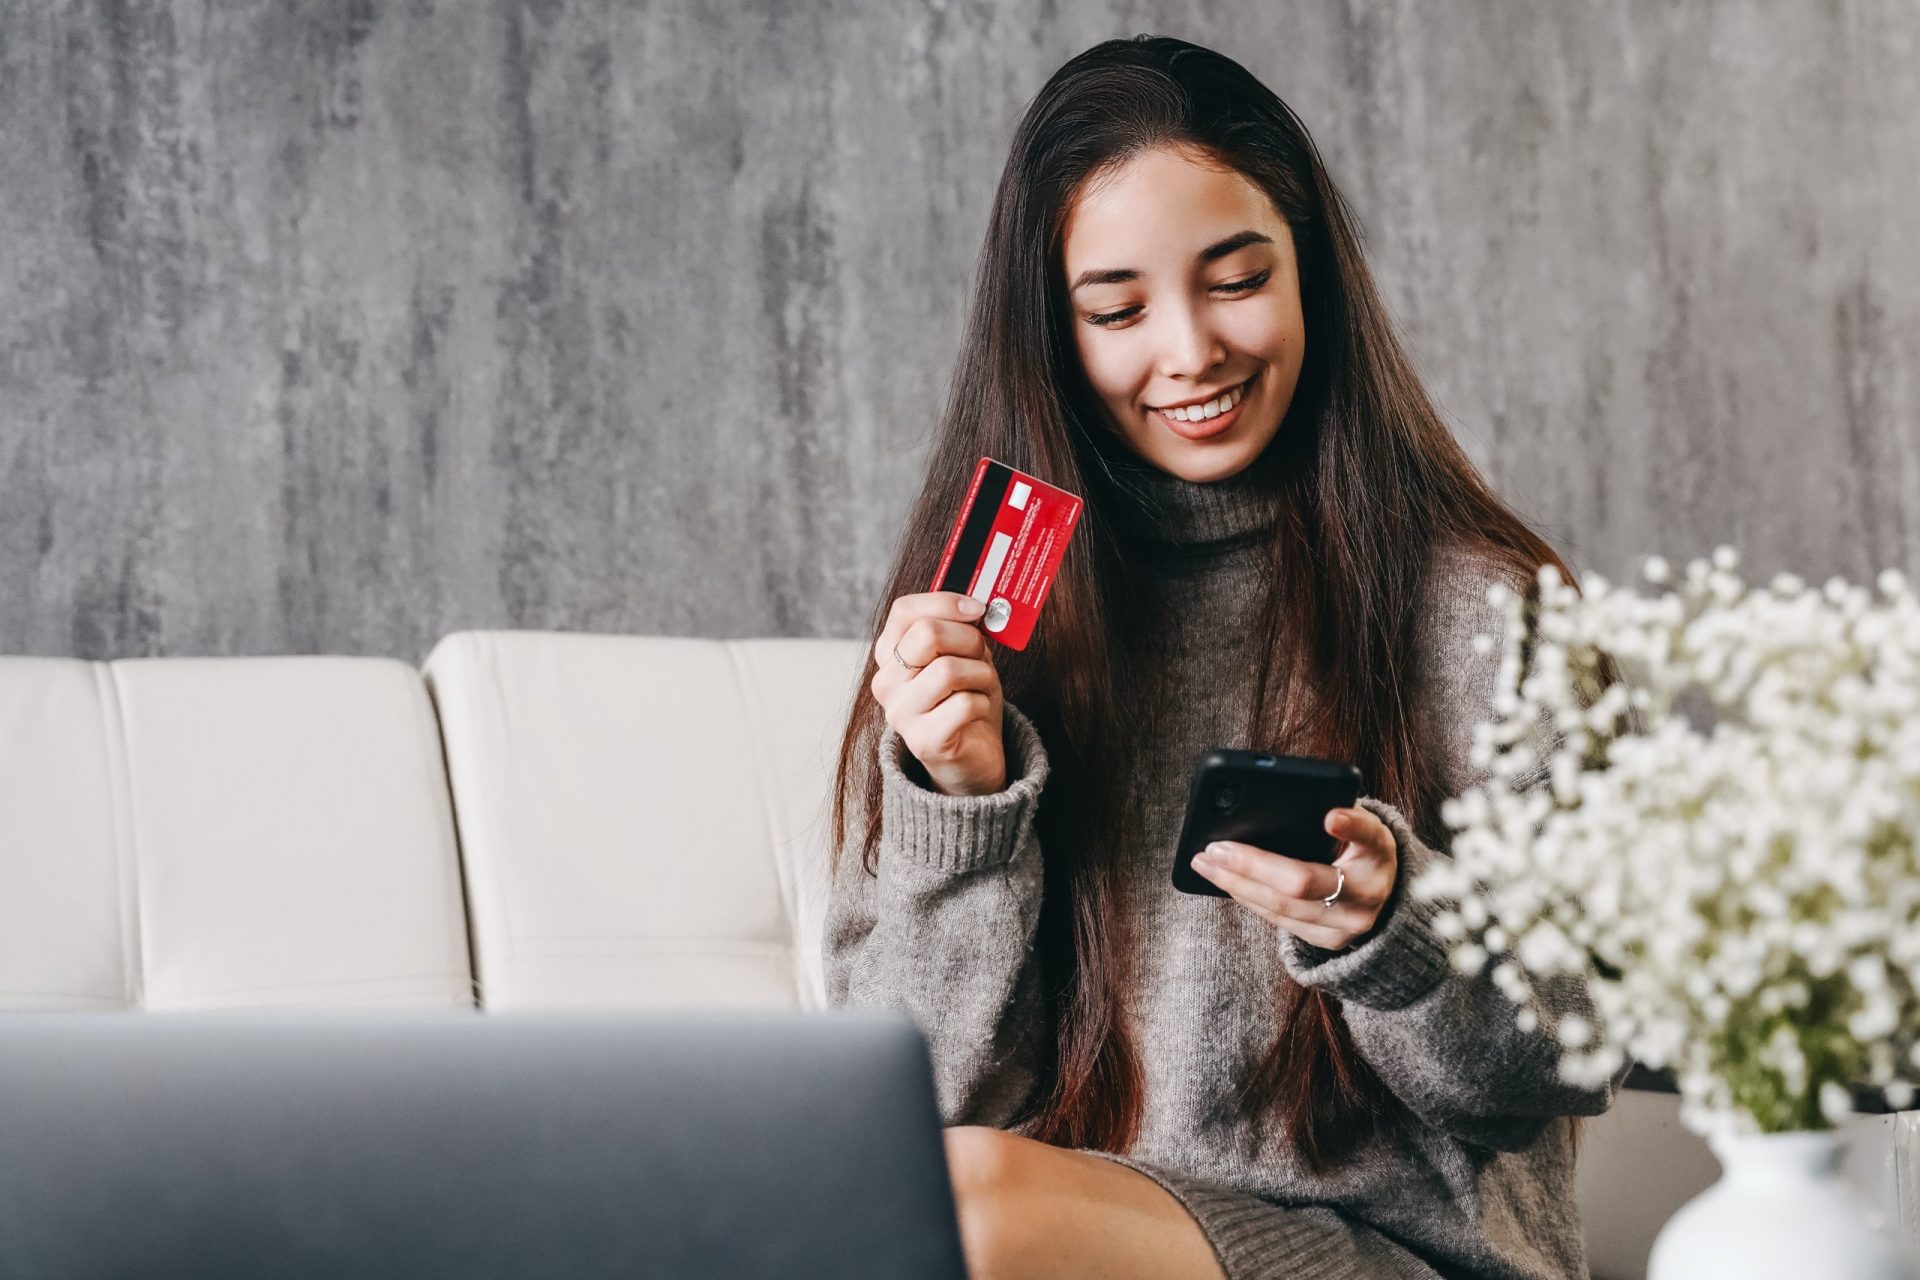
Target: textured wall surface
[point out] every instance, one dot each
(337, 327)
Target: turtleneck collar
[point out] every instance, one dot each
(1168, 512)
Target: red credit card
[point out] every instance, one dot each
(1005, 548)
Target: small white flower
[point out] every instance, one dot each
(1575, 1031)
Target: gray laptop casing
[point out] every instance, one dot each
(499, 1144)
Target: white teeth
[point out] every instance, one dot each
(1211, 409)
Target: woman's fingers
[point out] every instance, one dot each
(922, 642)
(939, 606)
(1325, 939)
(1292, 892)
(944, 655)
(1321, 925)
(1275, 886)
(933, 684)
(1279, 877)
(1369, 841)
(943, 730)
(929, 638)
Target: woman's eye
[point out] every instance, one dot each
(1245, 286)
(1237, 286)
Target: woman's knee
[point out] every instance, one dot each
(1027, 1209)
(988, 1168)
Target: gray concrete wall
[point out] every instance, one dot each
(336, 327)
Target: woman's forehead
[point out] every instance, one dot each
(1162, 205)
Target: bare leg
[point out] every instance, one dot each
(1030, 1209)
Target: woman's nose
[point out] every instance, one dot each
(1192, 347)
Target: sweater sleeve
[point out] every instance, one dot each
(1449, 1045)
(945, 927)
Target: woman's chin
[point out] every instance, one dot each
(1205, 462)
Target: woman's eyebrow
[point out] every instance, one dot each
(1213, 252)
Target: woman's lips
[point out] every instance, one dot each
(1212, 426)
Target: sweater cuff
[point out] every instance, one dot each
(1401, 958)
(960, 833)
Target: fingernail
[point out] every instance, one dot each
(971, 607)
(1215, 850)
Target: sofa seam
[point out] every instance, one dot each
(126, 828)
(789, 897)
(459, 839)
(487, 800)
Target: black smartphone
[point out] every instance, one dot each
(1277, 803)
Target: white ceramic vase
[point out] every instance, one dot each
(1781, 1209)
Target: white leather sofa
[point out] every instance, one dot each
(530, 820)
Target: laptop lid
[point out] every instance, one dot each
(471, 1144)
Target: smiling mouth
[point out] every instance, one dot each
(1205, 428)
(1239, 390)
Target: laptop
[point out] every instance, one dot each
(471, 1144)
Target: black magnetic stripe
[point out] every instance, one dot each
(973, 535)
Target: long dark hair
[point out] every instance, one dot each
(1370, 482)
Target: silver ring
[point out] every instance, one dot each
(1328, 900)
(902, 661)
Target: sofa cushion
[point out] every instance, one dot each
(643, 818)
(199, 833)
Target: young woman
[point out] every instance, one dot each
(1282, 548)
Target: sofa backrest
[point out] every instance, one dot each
(210, 833)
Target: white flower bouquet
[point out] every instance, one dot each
(1724, 844)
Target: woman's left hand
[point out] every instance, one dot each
(1290, 892)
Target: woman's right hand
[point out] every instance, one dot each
(949, 711)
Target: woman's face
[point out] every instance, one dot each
(1182, 286)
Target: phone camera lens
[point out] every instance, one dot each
(1226, 798)
(1268, 761)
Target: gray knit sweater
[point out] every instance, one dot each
(1484, 1186)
